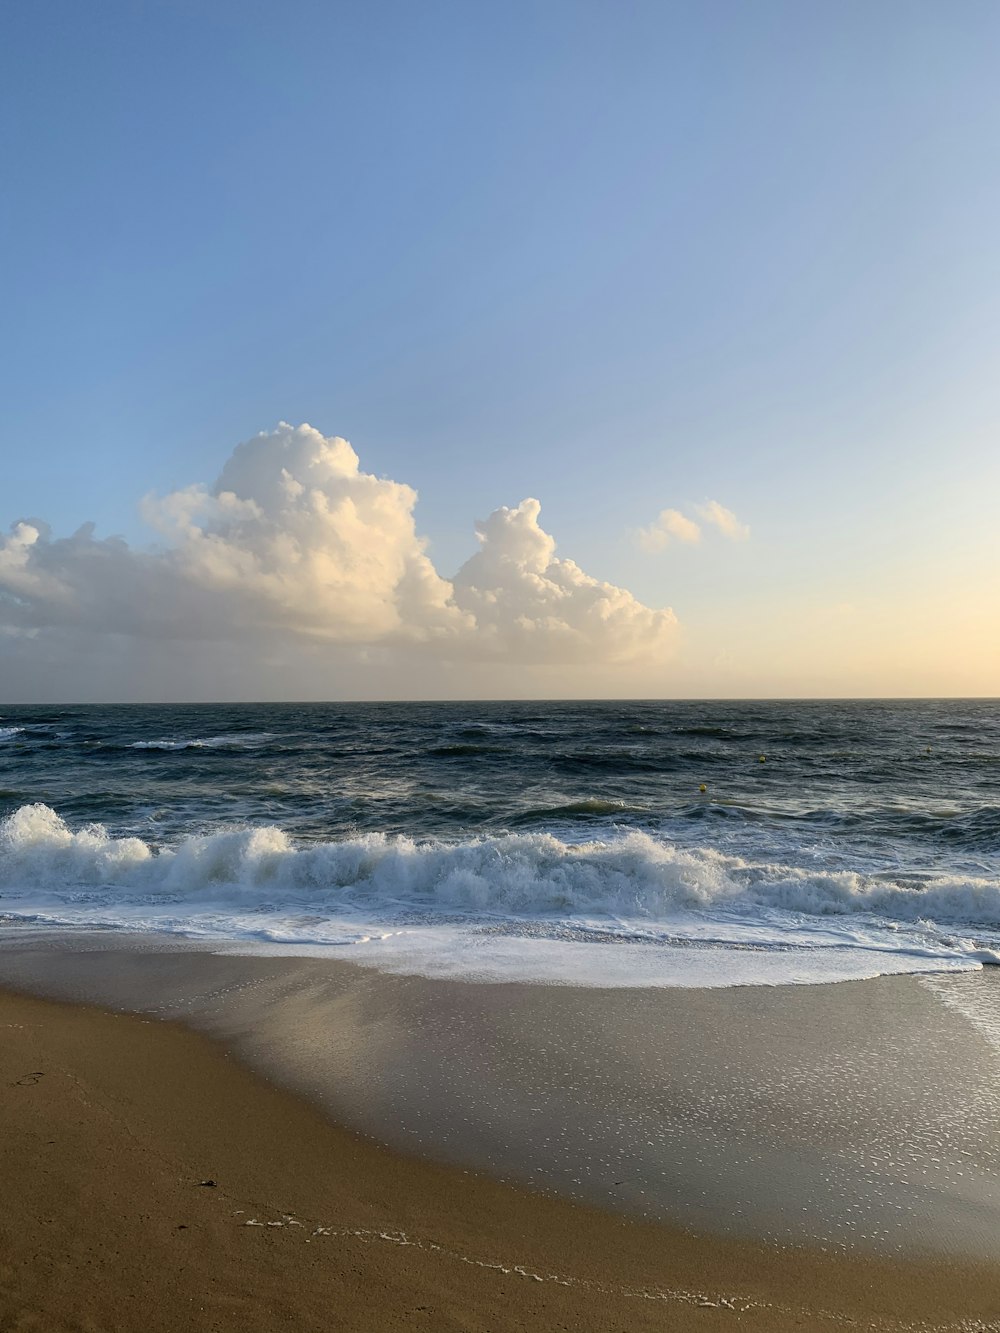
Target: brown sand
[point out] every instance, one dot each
(111, 1125)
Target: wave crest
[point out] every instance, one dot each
(239, 741)
(630, 877)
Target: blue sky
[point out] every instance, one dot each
(619, 257)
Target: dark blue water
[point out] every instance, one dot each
(886, 811)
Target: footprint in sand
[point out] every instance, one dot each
(28, 1079)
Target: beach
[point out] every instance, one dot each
(486, 1016)
(500, 668)
(114, 1122)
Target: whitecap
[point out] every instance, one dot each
(240, 740)
(527, 896)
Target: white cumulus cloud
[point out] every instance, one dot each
(295, 542)
(295, 536)
(529, 605)
(724, 519)
(670, 525)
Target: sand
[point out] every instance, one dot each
(151, 1182)
(857, 1116)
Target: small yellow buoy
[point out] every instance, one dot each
(703, 787)
(762, 759)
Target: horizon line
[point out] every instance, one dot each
(547, 699)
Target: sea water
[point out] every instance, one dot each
(603, 844)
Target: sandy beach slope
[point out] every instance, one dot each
(112, 1125)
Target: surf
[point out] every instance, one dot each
(629, 888)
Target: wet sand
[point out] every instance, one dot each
(151, 1182)
(863, 1116)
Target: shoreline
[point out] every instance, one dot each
(112, 1122)
(855, 1118)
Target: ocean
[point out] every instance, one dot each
(603, 844)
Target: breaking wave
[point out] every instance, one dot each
(239, 741)
(629, 877)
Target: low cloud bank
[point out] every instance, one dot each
(296, 542)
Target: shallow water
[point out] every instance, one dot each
(555, 841)
(862, 1116)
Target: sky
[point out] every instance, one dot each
(665, 337)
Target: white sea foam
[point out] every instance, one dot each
(555, 906)
(451, 953)
(238, 741)
(979, 1006)
(7, 732)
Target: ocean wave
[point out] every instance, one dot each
(975, 828)
(239, 740)
(587, 809)
(629, 877)
(6, 733)
(613, 761)
(463, 749)
(714, 733)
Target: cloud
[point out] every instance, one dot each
(669, 526)
(294, 536)
(295, 544)
(724, 519)
(529, 605)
